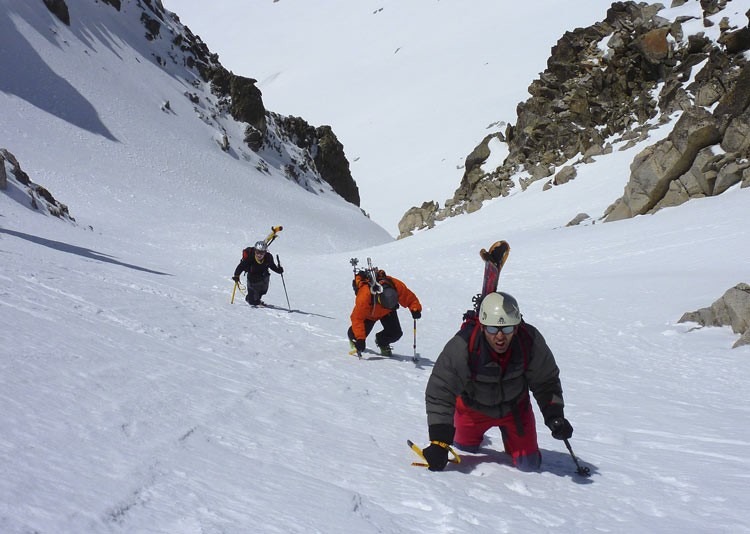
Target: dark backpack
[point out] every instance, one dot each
(388, 297)
(382, 288)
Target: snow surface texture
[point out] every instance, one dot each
(135, 398)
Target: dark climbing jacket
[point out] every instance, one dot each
(256, 270)
(493, 384)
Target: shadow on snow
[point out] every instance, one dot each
(79, 251)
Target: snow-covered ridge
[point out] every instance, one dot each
(155, 98)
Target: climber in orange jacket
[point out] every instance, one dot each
(372, 305)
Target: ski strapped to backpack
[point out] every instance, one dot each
(274, 234)
(382, 288)
(494, 259)
(270, 238)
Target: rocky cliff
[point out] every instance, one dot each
(614, 82)
(306, 154)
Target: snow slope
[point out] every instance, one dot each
(135, 398)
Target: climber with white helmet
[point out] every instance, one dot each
(482, 379)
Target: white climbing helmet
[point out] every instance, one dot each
(499, 309)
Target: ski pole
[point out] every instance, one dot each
(284, 283)
(415, 358)
(583, 471)
(234, 290)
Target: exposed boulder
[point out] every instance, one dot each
(732, 309)
(565, 175)
(578, 219)
(705, 154)
(18, 186)
(654, 169)
(417, 219)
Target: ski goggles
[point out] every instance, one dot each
(493, 330)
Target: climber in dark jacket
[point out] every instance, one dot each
(256, 261)
(482, 379)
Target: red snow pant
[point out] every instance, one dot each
(523, 447)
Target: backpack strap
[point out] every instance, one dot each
(469, 332)
(524, 340)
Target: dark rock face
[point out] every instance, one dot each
(19, 187)
(616, 80)
(315, 155)
(114, 3)
(247, 102)
(333, 165)
(59, 9)
(320, 157)
(320, 152)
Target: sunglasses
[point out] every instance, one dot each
(493, 330)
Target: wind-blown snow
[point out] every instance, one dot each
(135, 398)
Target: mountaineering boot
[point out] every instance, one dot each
(385, 350)
(352, 346)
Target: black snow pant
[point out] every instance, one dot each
(255, 290)
(390, 333)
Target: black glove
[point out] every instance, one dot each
(416, 314)
(281, 270)
(560, 427)
(236, 278)
(436, 456)
(359, 344)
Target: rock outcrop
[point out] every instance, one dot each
(614, 82)
(318, 157)
(732, 309)
(15, 183)
(321, 157)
